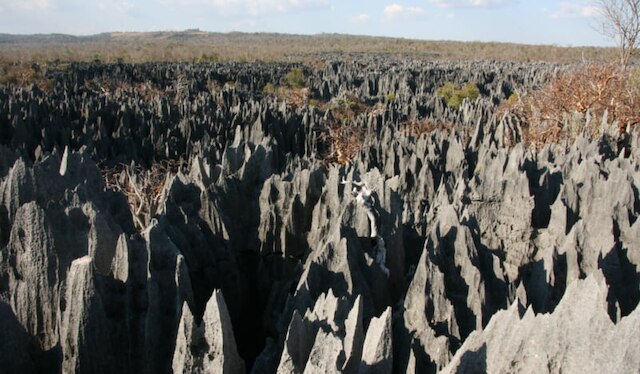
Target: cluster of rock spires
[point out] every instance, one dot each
(264, 258)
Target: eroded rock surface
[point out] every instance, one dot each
(263, 257)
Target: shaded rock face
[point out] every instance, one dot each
(461, 251)
(521, 341)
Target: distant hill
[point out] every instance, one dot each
(196, 45)
(155, 36)
(39, 39)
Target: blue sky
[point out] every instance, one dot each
(560, 22)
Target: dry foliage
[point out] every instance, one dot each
(143, 188)
(569, 97)
(346, 108)
(346, 142)
(23, 75)
(296, 97)
(426, 126)
(345, 138)
(145, 91)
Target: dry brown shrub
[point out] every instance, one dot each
(345, 141)
(296, 97)
(143, 188)
(547, 112)
(377, 110)
(23, 74)
(145, 91)
(345, 138)
(345, 108)
(426, 126)
(348, 107)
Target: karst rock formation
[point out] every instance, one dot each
(261, 256)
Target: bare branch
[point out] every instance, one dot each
(621, 22)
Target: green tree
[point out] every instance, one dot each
(454, 96)
(296, 79)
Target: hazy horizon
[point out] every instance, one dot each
(546, 22)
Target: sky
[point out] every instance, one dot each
(557, 22)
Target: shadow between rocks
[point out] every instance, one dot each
(474, 362)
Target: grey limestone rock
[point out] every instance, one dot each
(84, 353)
(298, 343)
(354, 338)
(208, 346)
(562, 341)
(34, 276)
(324, 355)
(377, 353)
(498, 256)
